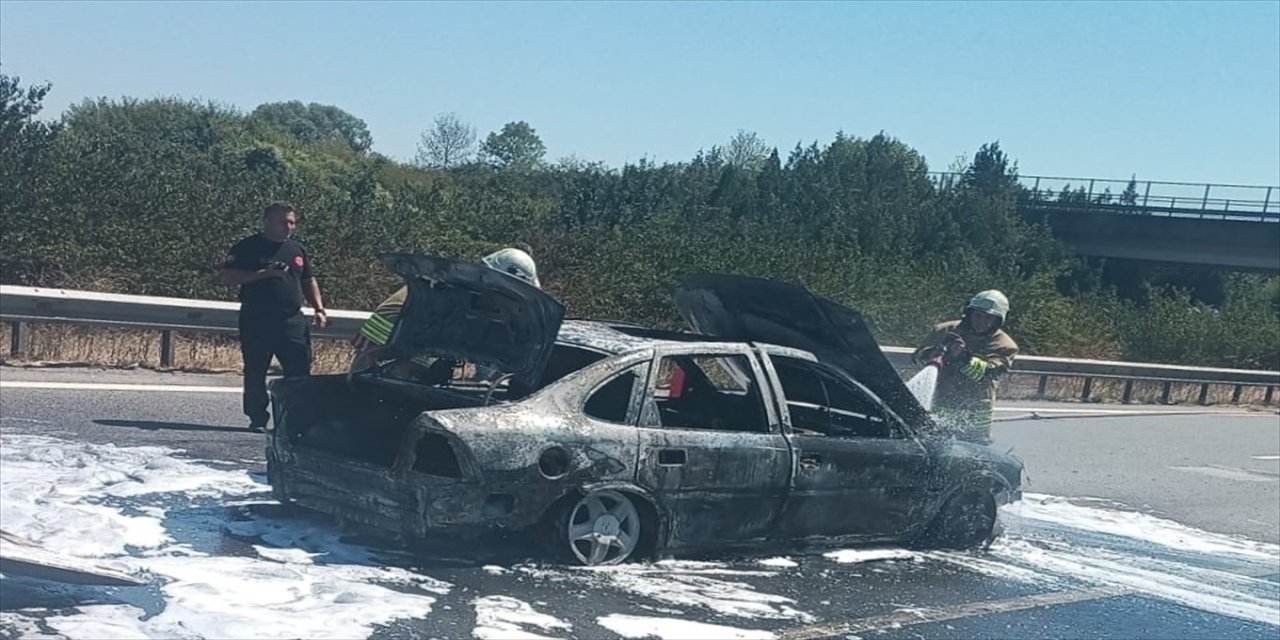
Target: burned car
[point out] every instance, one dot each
(775, 420)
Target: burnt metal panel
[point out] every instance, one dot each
(468, 311)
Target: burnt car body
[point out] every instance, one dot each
(778, 420)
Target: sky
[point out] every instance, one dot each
(1175, 91)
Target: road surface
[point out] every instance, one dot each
(1135, 526)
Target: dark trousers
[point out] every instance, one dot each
(261, 338)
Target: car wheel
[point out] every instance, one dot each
(602, 527)
(966, 521)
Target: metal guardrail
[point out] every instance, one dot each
(22, 305)
(1149, 197)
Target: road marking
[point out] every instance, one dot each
(1149, 412)
(1266, 457)
(922, 616)
(1228, 473)
(103, 386)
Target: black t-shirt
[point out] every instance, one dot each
(273, 296)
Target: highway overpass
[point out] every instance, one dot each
(1220, 225)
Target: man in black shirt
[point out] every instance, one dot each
(274, 274)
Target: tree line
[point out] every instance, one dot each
(145, 196)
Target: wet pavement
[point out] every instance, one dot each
(1085, 558)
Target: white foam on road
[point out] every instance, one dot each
(506, 618)
(51, 487)
(300, 581)
(691, 584)
(1139, 526)
(856, 556)
(232, 597)
(114, 621)
(1177, 575)
(13, 624)
(1211, 590)
(675, 629)
(780, 562)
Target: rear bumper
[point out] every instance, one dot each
(416, 504)
(351, 491)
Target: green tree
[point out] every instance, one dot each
(18, 107)
(315, 123)
(516, 146)
(26, 217)
(1129, 196)
(144, 196)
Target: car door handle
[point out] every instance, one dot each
(672, 457)
(811, 461)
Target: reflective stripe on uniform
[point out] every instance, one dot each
(377, 329)
(976, 368)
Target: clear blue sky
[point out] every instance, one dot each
(1170, 91)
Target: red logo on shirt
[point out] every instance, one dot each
(297, 260)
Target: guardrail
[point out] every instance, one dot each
(1147, 197)
(22, 305)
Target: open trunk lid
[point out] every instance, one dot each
(757, 310)
(468, 311)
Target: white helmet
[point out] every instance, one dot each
(991, 302)
(514, 262)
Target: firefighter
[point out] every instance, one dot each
(972, 354)
(376, 331)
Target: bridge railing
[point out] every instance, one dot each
(23, 305)
(1148, 197)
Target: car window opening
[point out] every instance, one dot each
(479, 382)
(435, 456)
(611, 400)
(822, 404)
(566, 359)
(709, 392)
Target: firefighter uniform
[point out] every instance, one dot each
(966, 390)
(271, 321)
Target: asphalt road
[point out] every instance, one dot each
(1218, 472)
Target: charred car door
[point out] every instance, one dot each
(745, 309)
(711, 448)
(858, 473)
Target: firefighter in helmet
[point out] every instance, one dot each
(972, 353)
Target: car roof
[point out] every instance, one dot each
(617, 338)
(604, 336)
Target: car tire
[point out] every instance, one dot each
(968, 520)
(599, 528)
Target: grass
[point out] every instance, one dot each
(63, 344)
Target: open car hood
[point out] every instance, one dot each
(468, 311)
(748, 309)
